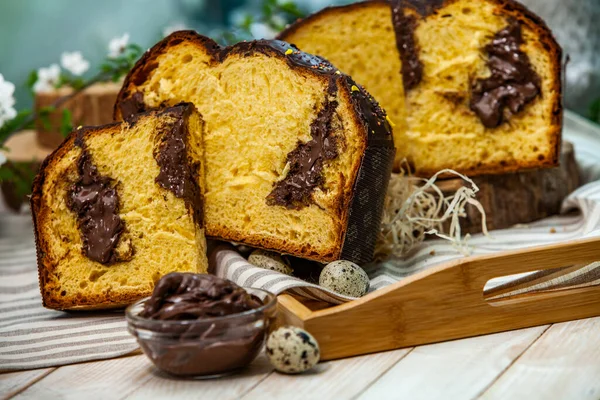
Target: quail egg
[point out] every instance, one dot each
(269, 260)
(345, 277)
(292, 350)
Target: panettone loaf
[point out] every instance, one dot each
(481, 78)
(298, 156)
(118, 206)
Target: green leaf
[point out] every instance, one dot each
(77, 83)
(66, 122)
(20, 174)
(245, 24)
(63, 79)
(31, 80)
(291, 8)
(267, 9)
(45, 120)
(6, 174)
(595, 111)
(23, 118)
(134, 48)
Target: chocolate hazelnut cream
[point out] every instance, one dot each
(307, 159)
(95, 199)
(512, 83)
(404, 26)
(186, 296)
(177, 173)
(197, 347)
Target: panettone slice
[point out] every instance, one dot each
(481, 79)
(118, 206)
(298, 156)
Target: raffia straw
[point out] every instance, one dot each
(416, 207)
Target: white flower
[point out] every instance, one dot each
(262, 31)
(2, 158)
(7, 101)
(117, 45)
(47, 78)
(74, 63)
(174, 27)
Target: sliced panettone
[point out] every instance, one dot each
(118, 206)
(298, 156)
(481, 78)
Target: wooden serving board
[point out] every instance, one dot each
(447, 302)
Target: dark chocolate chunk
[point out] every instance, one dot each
(95, 200)
(177, 173)
(412, 68)
(512, 84)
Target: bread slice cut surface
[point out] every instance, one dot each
(116, 207)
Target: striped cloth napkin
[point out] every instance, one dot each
(33, 337)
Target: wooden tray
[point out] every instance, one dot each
(447, 302)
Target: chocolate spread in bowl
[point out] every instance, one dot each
(193, 340)
(182, 297)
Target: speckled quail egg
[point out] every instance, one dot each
(269, 260)
(292, 350)
(344, 277)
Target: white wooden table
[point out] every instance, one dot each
(560, 361)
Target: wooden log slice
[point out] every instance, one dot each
(93, 106)
(521, 197)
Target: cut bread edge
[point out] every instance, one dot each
(40, 218)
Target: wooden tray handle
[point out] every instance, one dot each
(535, 259)
(447, 302)
(467, 278)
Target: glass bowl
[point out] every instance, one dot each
(204, 348)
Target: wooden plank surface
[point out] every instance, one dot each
(231, 387)
(94, 380)
(341, 379)
(564, 363)
(12, 383)
(460, 369)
